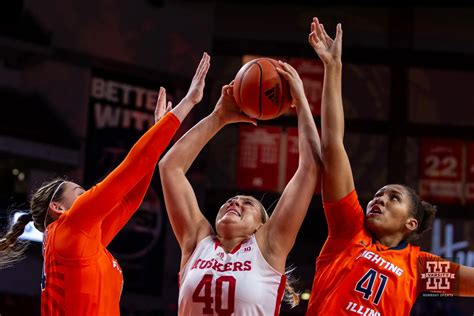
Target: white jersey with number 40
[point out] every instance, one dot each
(238, 283)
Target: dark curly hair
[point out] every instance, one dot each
(422, 211)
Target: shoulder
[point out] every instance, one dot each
(349, 201)
(210, 241)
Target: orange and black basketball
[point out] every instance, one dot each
(260, 91)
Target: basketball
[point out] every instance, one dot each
(260, 91)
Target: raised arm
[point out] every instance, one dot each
(92, 207)
(337, 180)
(126, 207)
(95, 204)
(124, 210)
(189, 224)
(278, 235)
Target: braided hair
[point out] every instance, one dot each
(11, 248)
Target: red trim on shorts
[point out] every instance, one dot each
(281, 291)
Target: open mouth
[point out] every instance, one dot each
(375, 210)
(233, 211)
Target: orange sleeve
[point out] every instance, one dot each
(92, 207)
(437, 275)
(345, 218)
(124, 210)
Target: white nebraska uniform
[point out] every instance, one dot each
(238, 283)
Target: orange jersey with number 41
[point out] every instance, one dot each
(356, 275)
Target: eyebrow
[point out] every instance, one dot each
(389, 190)
(395, 192)
(247, 199)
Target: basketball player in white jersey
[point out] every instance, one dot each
(239, 269)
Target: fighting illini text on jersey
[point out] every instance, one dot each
(238, 283)
(356, 275)
(80, 277)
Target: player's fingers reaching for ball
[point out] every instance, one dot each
(290, 69)
(230, 91)
(311, 39)
(244, 118)
(294, 81)
(329, 40)
(282, 70)
(339, 32)
(203, 66)
(195, 92)
(225, 89)
(319, 31)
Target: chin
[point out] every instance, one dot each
(372, 225)
(225, 224)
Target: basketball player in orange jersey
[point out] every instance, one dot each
(80, 277)
(367, 265)
(239, 269)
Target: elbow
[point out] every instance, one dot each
(164, 164)
(309, 168)
(331, 145)
(331, 137)
(168, 167)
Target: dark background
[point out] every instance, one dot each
(408, 75)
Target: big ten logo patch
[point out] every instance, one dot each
(437, 276)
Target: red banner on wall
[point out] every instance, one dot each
(470, 173)
(441, 170)
(311, 72)
(259, 150)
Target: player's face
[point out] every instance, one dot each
(239, 215)
(389, 210)
(70, 194)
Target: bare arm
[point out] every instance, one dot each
(280, 232)
(337, 179)
(140, 162)
(92, 207)
(188, 222)
(466, 281)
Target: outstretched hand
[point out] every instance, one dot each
(294, 81)
(228, 110)
(196, 89)
(161, 106)
(328, 49)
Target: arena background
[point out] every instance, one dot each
(408, 80)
